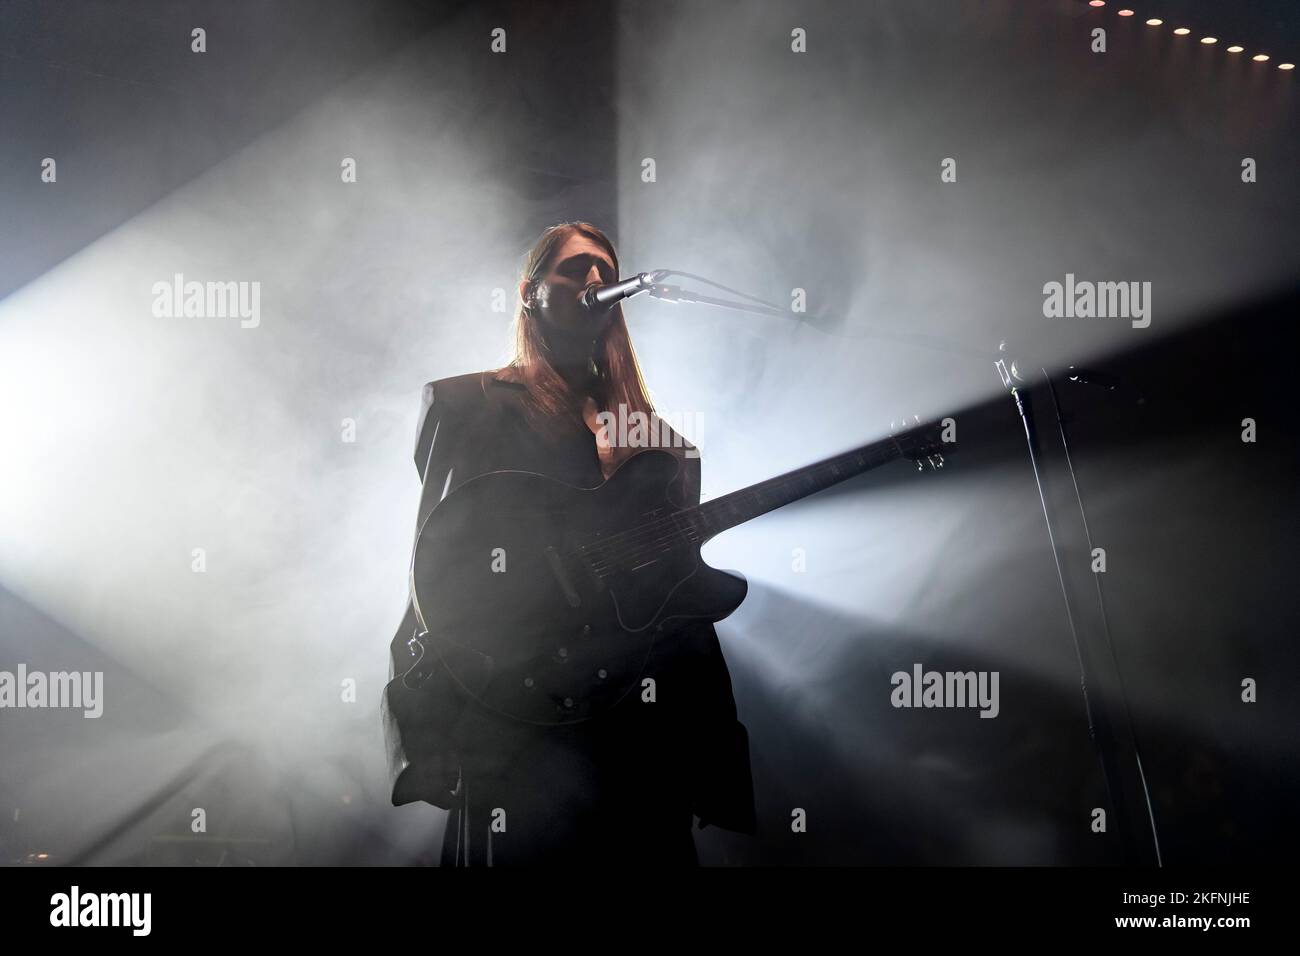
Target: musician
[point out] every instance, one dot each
(623, 786)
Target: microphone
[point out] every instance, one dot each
(1012, 373)
(599, 298)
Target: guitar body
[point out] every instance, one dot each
(543, 600)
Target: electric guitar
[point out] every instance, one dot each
(543, 600)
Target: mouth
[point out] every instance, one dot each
(595, 312)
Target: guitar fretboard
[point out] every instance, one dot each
(698, 524)
(719, 514)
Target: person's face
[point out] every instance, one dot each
(579, 262)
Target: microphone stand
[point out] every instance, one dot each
(1105, 704)
(673, 293)
(818, 323)
(1109, 722)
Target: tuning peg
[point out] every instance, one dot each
(939, 460)
(916, 419)
(920, 465)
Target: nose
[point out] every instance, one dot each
(593, 275)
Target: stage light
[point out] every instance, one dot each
(1096, 3)
(1182, 31)
(1286, 66)
(1126, 13)
(1235, 49)
(1154, 22)
(1260, 57)
(1209, 39)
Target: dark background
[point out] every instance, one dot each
(1199, 527)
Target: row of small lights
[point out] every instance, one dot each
(1183, 31)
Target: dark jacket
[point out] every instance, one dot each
(476, 423)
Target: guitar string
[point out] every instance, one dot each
(610, 552)
(869, 456)
(628, 546)
(654, 534)
(636, 544)
(607, 560)
(666, 529)
(780, 483)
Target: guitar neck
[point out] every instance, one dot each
(719, 514)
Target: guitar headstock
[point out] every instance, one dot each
(918, 441)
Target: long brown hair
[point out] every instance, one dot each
(618, 374)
